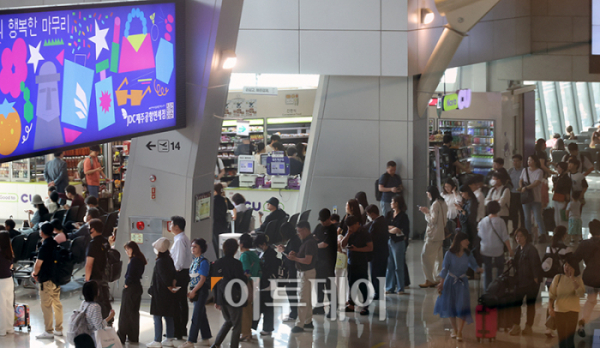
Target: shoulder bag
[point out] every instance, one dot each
(497, 235)
(527, 194)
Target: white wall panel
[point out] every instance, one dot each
(393, 99)
(523, 35)
(581, 69)
(428, 38)
(504, 38)
(340, 15)
(394, 53)
(552, 68)
(352, 98)
(270, 14)
(461, 57)
(481, 42)
(393, 145)
(394, 14)
(267, 51)
(340, 52)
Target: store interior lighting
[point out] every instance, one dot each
(427, 16)
(282, 81)
(229, 59)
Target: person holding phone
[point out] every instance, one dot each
(390, 184)
(93, 171)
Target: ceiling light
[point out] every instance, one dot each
(229, 59)
(427, 16)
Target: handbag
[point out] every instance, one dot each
(107, 338)
(527, 195)
(497, 235)
(136, 50)
(341, 261)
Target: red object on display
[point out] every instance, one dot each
(140, 225)
(433, 102)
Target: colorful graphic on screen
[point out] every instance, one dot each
(85, 74)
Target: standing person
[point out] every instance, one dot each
(129, 316)
(49, 292)
(293, 245)
(529, 276)
(326, 236)
(475, 184)
(95, 264)
(454, 301)
(432, 253)
(588, 252)
(565, 292)
(352, 209)
(40, 215)
(219, 170)
(531, 180)
(359, 244)
(398, 226)
(93, 171)
(363, 203)
(53, 206)
(162, 292)
(182, 258)
(296, 164)
(390, 184)
(574, 215)
(498, 167)
(586, 166)
(540, 152)
(452, 199)
(198, 293)
(276, 214)
(230, 270)
(306, 260)
(258, 167)
(55, 172)
(500, 193)
(269, 266)
(455, 166)
(378, 229)
(562, 193)
(221, 208)
(595, 140)
(494, 237)
(10, 228)
(516, 208)
(301, 148)
(578, 181)
(92, 309)
(7, 286)
(251, 264)
(274, 139)
(467, 214)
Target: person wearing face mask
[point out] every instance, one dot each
(562, 193)
(500, 192)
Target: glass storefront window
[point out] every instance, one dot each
(585, 107)
(568, 106)
(551, 105)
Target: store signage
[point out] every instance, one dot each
(87, 74)
(9, 197)
(260, 90)
(243, 128)
(459, 100)
(163, 145)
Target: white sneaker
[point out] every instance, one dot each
(187, 344)
(154, 345)
(167, 342)
(58, 333)
(45, 335)
(203, 343)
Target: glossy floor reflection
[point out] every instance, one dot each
(409, 319)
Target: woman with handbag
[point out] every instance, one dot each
(565, 293)
(199, 288)
(129, 316)
(399, 229)
(530, 187)
(562, 191)
(500, 193)
(432, 253)
(494, 240)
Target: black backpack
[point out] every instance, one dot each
(63, 266)
(557, 265)
(114, 265)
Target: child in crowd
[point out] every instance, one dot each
(579, 183)
(574, 216)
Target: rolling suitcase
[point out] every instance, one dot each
(22, 317)
(486, 320)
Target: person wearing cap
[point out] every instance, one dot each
(163, 290)
(95, 264)
(276, 214)
(49, 292)
(40, 214)
(326, 236)
(93, 171)
(588, 252)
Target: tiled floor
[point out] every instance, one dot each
(409, 319)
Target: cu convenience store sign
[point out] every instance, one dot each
(459, 100)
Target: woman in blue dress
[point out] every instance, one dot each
(454, 300)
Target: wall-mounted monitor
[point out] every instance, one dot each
(72, 76)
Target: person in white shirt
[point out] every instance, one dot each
(181, 252)
(475, 184)
(494, 236)
(274, 139)
(531, 180)
(219, 170)
(500, 192)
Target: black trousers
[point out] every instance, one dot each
(324, 272)
(267, 311)
(530, 293)
(233, 319)
(356, 273)
(181, 316)
(566, 325)
(516, 210)
(129, 316)
(378, 269)
(103, 299)
(291, 289)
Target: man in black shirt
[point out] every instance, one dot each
(359, 244)
(229, 269)
(326, 236)
(390, 184)
(378, 229)
(296, 164)
(95, 264)
(49, 292)
(10, 228)
(276, 214)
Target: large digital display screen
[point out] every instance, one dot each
(595, 49)
(79, 75)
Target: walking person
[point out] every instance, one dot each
(573, 213)
(398, 226)
(467, 214)
(562, 194)
(49, 293)
(182, 259)
(251, 264)
(516, 208)
(530, 184)
(588, 252)
(500, 193)
(452, 198)
(7, 286)
(326, 236)
(379, 231)
(93, 171)
(198, 293)
(432, 254)
(529, 276)
(494, 238)
(269, 266)
(390, 184)
(565, 291)
(454, 301)
(163, 290)
(129, 316)
(359, 244)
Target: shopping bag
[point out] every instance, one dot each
(136, 49)
(342, 261)
(107, 338)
